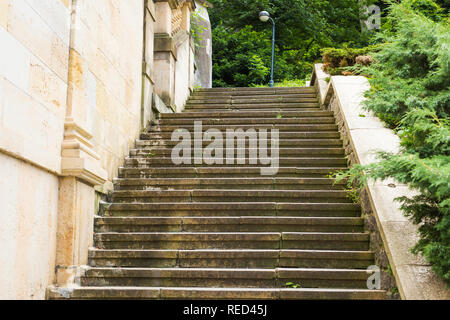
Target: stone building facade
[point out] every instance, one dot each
(78, 80)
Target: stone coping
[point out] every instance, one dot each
(367, 135)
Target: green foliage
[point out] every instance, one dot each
(197, 29)
(286, 83)
(293, 285)
(238, 57)
(304, 27)
(410, 91)
(337, 60)
(413, 69)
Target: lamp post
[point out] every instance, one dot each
(264, 16)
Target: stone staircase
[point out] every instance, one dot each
(225, 231)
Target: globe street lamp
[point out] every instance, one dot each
(264, 16)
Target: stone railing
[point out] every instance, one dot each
(392, 234)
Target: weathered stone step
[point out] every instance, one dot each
(251, 106)
(223, 172)
(194, 101)
(283, 152)
(211, 195)
(233, 209)
(231, 278)
(224, 128)
(298, 143)
(229, 96)
(152, 293)
(228, 183)
(246, 114)
(259, 91)
(245, 121)
(227, 224)
(282, 135)
(231, 258)
(283, 161)
(234, 240)
(255, 109)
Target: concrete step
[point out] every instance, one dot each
(256, 109)
(252, 106)
(228, 278)
(152, 293)
(228, 96)
(224, 172)
(282, 135)
(198, 100)
(253, 150)
(257, 90)
(217, 209)
(283, 161)
(245, 121)
(233, 240)
(211, 195)
(294, 143)
(257, 127)
(246, 114)
(228, 224)
(228, 183)
(231, 258)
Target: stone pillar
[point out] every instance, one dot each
(186, 17)
(165, 52)
(148, 77)
(80, 166)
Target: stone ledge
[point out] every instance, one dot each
(366, 135)
(165, 43)
(78, 157)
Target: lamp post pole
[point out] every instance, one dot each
(264, 16)
(271, 83)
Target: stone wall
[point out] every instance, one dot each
(77, 79)
(34, 55)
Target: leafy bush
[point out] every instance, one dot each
(240, 57)
(286, 83)
(411, 93)
(336, 60)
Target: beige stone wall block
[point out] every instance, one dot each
(30, 29)
(36, 137)
(48, 88)
(4, 7)
(14, 61)
(98, 65)
(102, 100)
(27, 229)
(56, 14)
(66, 3)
